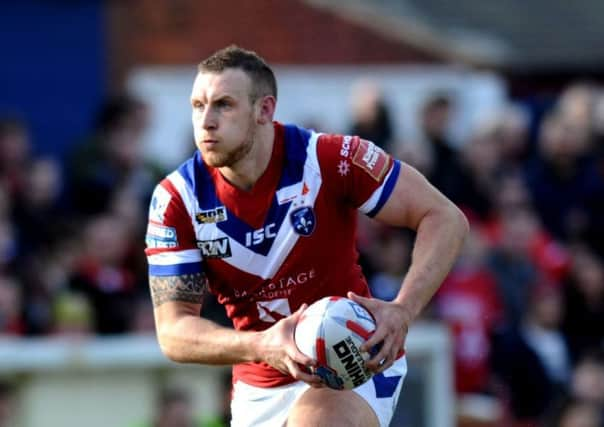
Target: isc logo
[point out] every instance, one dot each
(253, 238)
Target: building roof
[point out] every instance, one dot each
(511, 34)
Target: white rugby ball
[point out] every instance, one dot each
(331, 331)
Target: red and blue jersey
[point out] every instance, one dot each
(289, 240)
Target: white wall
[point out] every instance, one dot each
(319, 94)
(100, 382)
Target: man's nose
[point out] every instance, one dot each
(209, 120)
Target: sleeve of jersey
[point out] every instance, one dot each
(357, 170)
(170, 239)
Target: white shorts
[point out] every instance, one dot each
(269, 407)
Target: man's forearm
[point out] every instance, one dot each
(192, 339)
(440, 236)
(183, 335)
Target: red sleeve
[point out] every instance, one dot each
(352, 168)
(170, 228)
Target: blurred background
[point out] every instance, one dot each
(499, 104)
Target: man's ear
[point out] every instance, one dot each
(267, 105)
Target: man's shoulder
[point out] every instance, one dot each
(184, 184)
(190, 174)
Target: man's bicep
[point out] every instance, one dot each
(186, 288)
(412, 198)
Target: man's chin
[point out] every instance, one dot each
(214, 161)
(217, 159)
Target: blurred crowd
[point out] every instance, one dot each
(72, 231)
(524, 303)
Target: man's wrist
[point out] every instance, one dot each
(407, 310)
(251, 345)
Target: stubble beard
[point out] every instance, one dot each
(230, 159)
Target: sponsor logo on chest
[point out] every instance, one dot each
(210, 216)
(303, 220)
(256, 237)
(216, 248)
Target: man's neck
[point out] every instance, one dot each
(246, 172)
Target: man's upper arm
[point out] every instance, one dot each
(189, 288)
(377, 184)
(411, 199)
(185, 293)
(175, 269)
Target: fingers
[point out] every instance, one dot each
(382, 357)
(296, 315)
(365, 302)
(386, 345)
(299, 374)
(375, 339)
(293, 352)
(301, 358)
(389, 361)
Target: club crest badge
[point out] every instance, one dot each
(303, 220)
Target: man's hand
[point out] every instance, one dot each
(278, 348)
(392, 325)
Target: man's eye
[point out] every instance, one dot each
(197, 105)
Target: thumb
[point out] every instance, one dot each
(357, 298)
(300, 310)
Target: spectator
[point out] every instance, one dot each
(531, 358)
(584, 319)
(112, 159)
(512, 130)
(514, 272)
(102, 274)
(588, 378)
(38, 211)
(550, 258)
(371, 115)
(572, 412)
(8, 245)
(576, 103)
(594, 236)
(392, 263)
(15, 148)
(447, 171)
(72, 314)
(11, 322)
(129, 212)
(564, 180)
(469, 303)
(44, 275)
(480, 164)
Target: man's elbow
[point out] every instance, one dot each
(460, 220)
(169, 347)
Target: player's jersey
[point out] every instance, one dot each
(289, 240)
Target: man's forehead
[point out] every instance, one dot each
(231, 81)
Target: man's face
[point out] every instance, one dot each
(224, 119)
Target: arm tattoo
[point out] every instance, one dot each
(186, 287)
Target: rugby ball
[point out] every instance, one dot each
(331, 331)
